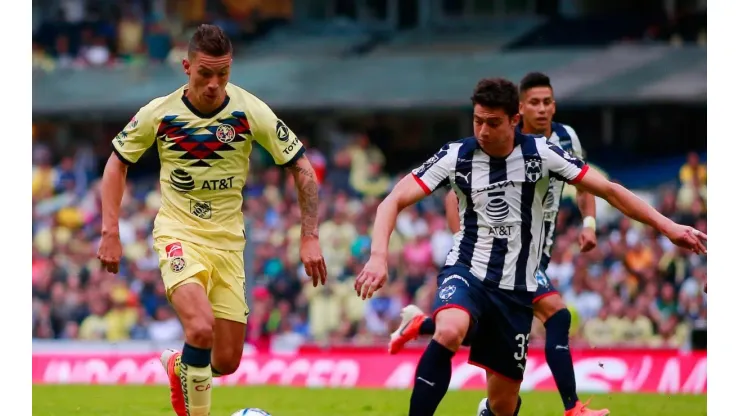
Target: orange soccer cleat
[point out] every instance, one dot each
(170, 360)
(411, 319)
(582, 410)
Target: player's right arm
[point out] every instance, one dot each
(424, 180)
(128, 146)
(451, 212)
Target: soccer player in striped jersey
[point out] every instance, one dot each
(537, 107)
(501, 177)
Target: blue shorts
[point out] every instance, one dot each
(544, 286)
(500, 320)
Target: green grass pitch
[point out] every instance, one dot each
(60, 400)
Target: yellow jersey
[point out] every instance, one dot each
(204, 161)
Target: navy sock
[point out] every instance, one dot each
(432, 379)
(557, 353)
(487, 411)
(427, 327)
(196, 357)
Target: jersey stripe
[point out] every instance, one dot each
(529, 218)
(562, 138)
(499, 246)
(464, 166)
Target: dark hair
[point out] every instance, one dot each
(497, 93)
(533, 80)
(210, 40)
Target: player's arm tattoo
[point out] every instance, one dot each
(308, 195)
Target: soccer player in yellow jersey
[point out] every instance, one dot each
(204, 133)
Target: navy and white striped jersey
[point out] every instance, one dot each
(565, 137)
(501, 204)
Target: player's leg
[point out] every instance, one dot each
(455, 308)
(190, 301)
(228, 299)
(552, 312)
(550, 309)
(228, 346)
(500, 347)
(502, 396)
(185, 275)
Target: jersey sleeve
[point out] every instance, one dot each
(138, 136)
(273, 135)
(435, 172)
(563, 166)
(576, 143)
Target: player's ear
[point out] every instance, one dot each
(186, 66)
(521, 107)
(515, 119)
(554, 106)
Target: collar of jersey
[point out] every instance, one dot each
(200, 114)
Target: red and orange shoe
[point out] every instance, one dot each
(411, 319)
(582, 410)
(170, 360)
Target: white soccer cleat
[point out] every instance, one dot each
(481, 407)
(165, 357)
(411, 320)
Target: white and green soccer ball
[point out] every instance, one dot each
(250, 412)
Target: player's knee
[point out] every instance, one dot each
(450, 333)
(226, 367)
(226, 361)
(199, 332)
(547, 307)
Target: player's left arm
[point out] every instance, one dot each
(577, 173)
(287, 151)
(586, 202)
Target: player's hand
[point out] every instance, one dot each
(587, 239)
(313, 260)
(687, 237)
(372, 277)
(110, 252)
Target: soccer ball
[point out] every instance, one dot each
(250, 412)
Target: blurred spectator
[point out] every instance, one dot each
(693, 184)
(604, 330)
(317, 159)
(366, 168)
(130, 34)
(158, 42)
(638, 329)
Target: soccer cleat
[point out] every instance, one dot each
(482, 407)
(411, 320)
(582, 410)
(170, 360)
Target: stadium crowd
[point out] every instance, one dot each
(635, 288)
(80, 34)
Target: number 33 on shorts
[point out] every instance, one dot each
(521, 355)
